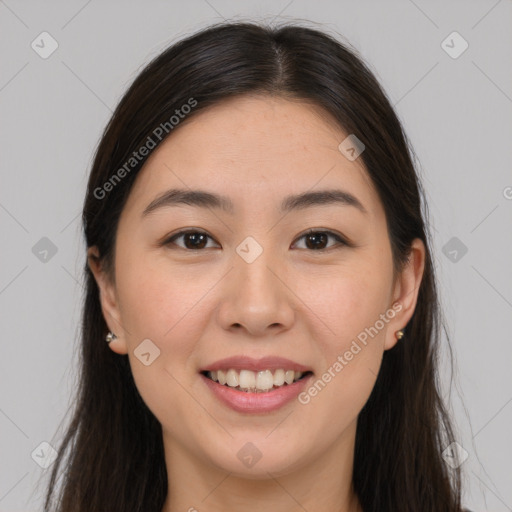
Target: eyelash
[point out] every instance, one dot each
(341, 241)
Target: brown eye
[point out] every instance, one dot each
(192, 240)
(317, 240)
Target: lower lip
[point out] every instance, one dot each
(269, 401)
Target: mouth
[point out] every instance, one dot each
(249, 381)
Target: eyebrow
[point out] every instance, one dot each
(204, 199)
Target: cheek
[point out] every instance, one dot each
(160, 304)
(346, 305)
(165, 306)
(158, 299)
(353, 308)
(351, 353)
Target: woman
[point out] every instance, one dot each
(259, 265)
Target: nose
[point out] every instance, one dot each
(257, 297)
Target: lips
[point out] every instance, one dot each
(271, 363)
(255, 385)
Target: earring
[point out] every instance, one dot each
(110, 336)
(399, 334)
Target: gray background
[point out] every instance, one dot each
(456, 111)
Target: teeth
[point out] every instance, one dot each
(232, 379)
(250, 381)
(264, 380)
(278, 378)
(247, 379)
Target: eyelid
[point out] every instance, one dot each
(342, 241)
(168, 240)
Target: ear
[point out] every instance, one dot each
(108, 300)
(405, 294)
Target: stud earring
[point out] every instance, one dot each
(399, 334)
(110, 336)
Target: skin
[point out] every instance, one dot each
(294, 301)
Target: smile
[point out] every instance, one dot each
(258, 386)
(255, 382)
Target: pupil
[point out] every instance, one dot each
(197, 237)
(313, 236)
(198, 240)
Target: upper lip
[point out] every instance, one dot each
(256, 365)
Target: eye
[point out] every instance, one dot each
(193, 239)
(315, 240)
(196, 240)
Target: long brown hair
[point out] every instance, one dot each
(111, 456)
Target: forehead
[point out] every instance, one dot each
(257, 149)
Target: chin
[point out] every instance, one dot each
(256, 459)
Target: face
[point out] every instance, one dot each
(277, 284)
